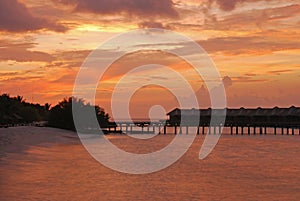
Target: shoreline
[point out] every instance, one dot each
(18, 139)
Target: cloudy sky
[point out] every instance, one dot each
(255, 45)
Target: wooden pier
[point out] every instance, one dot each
(276, 121)
(128, 128)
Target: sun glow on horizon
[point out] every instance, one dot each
(254, 44)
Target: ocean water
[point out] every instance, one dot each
(255, 167)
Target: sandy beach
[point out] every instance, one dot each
(18, 139)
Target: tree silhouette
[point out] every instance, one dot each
(61, 115)
(47, 106)
(15, 110)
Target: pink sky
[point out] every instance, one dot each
(254, 44)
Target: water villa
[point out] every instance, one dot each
(237, 121)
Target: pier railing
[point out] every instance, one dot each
(237, 121)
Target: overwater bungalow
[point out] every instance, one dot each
(288, 118)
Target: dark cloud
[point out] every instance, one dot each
(229, 5)
(248, 79)
(247, 45)
(258, 44)
(15, 17)
(164, 8)
(279, 72)
(21, 52)
(264, 19)
(21, 79)
(151, 24)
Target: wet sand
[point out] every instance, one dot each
(18, 139)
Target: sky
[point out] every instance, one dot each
(254, 44)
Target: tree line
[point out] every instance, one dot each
(16, 110)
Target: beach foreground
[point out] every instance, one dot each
(51, 164)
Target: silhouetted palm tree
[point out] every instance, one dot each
(61, 115)
(47, 106)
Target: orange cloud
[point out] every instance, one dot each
(248, 45)
(152, 24)
(20, 52)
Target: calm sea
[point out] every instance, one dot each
(260, 167)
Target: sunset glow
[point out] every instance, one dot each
(254, 44)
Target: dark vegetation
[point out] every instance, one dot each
(15, 110)
(61, 116)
